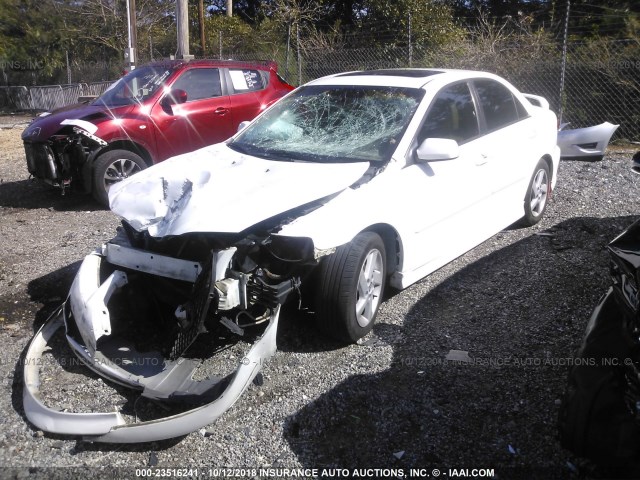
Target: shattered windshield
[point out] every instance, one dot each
(135, 87)
(332, 124)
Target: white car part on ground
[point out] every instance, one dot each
(111, 427)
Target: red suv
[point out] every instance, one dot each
(154, 112)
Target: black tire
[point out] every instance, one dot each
(338, 295)
(535, 200)
(112, 167)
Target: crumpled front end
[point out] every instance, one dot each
(63, 157)
(147, 318)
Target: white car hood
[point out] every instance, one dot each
(216, 189)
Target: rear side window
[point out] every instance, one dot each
(499, 105)
(246, 80)
(200, 83)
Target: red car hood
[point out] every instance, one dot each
(43, 127)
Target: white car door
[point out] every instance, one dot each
(511, 136)
(448, 197)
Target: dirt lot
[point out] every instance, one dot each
(518, 304)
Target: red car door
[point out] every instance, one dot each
(203, 119)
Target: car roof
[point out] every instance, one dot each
(259, 64)
(400, 77)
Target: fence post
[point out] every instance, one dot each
(299, 58)
(286, 58)
(410, 45)
(564, 62)
(68, 67)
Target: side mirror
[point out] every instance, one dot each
(174, 97)
(435, 149)
(243, 125)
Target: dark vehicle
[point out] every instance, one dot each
(154, 112)
(600, 414)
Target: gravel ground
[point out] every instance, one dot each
(517, 305)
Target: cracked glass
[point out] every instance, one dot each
(135, 87)
(332, 124)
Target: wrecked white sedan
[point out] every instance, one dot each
(350, 183)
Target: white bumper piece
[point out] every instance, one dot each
(111, 427)
(163, 379)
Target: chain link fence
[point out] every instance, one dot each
(47, 97)
(602, 77)
(602, 83)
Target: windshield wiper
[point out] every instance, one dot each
(277, 155)
(238, 147)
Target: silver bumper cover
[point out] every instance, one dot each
(585, 142)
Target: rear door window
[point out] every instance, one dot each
(498, 104)
(246, 80)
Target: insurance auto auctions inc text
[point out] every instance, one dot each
(352, 473)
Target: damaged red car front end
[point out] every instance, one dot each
(154, 112)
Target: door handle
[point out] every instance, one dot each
(482, 160)
(221, 111)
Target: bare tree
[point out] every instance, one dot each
(104, 22)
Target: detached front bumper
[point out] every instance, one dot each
(88, 334)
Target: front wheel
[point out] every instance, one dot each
(535, 201)
(113, 167)
(350, 287)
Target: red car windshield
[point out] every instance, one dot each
(135, 87)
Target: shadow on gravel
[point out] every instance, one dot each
(515, 318)
(298, 333)
(33, 194)
(51, 290)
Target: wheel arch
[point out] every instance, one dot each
(532, 214)
(549, 161)
(392, 245)
(130, 145)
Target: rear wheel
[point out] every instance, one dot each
(113, 167)
(535, 201)
(350, 288)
